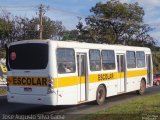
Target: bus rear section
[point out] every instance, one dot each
(28, 76)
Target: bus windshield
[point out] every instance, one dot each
(28, 56)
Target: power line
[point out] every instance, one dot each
(66, 12)
(76, 14)
(30, 8)
(18, 8)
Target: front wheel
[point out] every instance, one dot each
(100, 95)
(142, 87)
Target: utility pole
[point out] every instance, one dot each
(41, 13)
(41, 7)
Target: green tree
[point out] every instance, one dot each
(51, 29)
(14, 28)
(6, 27)
(115, 22)
(70, 35)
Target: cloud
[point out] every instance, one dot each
(69, 22)
(144, 2)
(152, 3)
(156, 36)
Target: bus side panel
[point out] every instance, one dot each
(134, 78)
(133, 83)
(111, 88)
(67, 95)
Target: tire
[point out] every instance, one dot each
(100, 95)
(142, 89)
(157, 83)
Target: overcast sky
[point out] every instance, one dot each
(67, 11)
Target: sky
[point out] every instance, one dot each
(68, 11)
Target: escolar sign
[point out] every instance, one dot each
(28, 81)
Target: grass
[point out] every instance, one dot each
(143, 108)
(3, 91)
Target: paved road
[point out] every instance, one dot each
(81, 110)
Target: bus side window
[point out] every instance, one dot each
(140, 59)
(65, 60)
(131, 59)
(95, 60)
(108, 59)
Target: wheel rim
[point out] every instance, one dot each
(100, 94)
(142, 88)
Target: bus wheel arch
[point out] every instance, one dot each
(101, 94)
(141, 91)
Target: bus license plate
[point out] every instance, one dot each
(27, 89)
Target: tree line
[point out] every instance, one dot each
(111, 22)
(14, 28)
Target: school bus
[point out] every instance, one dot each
(52, 72)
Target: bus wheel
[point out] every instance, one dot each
(142, 87)
(100, 95)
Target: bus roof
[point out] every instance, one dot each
(76, 44)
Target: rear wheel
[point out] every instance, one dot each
(100, 95)
(142, 87)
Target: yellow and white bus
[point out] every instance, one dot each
(67, 73)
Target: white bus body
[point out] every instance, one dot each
(36, 74)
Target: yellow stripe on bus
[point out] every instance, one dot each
(65, 81)
(72, 80)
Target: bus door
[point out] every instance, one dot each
(121, 72)
(82, 76)
(149, 70)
